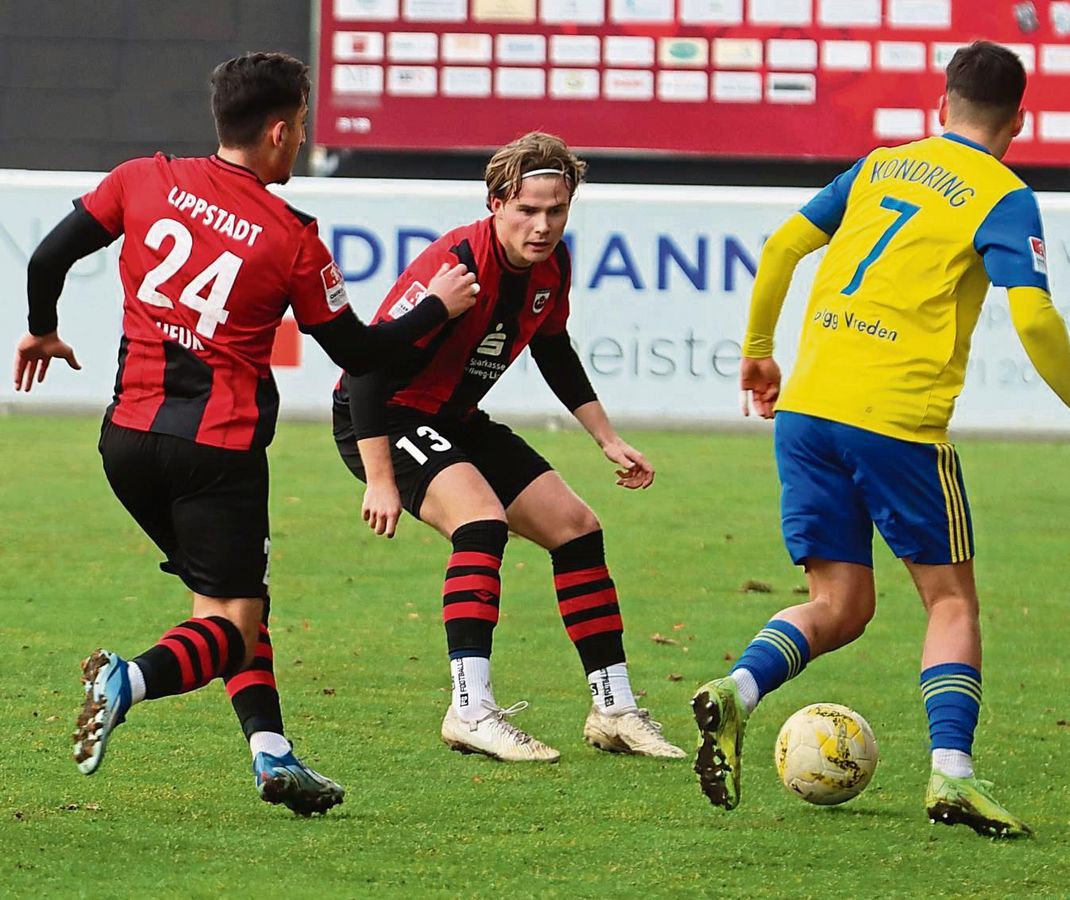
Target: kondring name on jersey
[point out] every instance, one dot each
(215, 217)
(942, 181)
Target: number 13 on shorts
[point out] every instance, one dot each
(436, 443)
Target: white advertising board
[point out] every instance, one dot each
(661, 280)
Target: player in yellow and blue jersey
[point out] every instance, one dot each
(915, 235)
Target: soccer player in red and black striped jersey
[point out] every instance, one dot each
(210, 262)
(414, 433)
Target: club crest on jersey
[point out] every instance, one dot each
(539, 303)
(493, 344)
(406, 303)
(1040, 255)
(334, 286)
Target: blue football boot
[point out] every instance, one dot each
(287, 780)
(107, 698)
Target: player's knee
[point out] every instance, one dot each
(575, 521)
(845, 621)
(583, 520)
(250, 635)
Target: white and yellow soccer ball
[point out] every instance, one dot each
(826, 753)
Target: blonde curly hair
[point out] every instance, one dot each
(535, 150)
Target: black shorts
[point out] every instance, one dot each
(206, 508)
(422, 445)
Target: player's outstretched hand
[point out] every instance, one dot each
(381, 508)
(759, 381)
(33, 354)
(635, 471)
(456, 287)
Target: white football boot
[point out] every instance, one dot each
(631, 732)
(495, 736)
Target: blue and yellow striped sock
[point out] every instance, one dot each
(778, 652)
(952, 695)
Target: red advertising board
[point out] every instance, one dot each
(823, 79)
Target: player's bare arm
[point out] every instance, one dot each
(381, 507)
(635, 470)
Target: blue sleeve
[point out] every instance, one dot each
(1011, 242)
(827, 208)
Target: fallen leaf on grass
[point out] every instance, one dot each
(679, 626)
(750, 586)
(658, 638)
(675, 676)
(329, 692)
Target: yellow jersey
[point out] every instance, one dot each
(917, 232)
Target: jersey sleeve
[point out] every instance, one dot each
(1010, 241)
(826, 209)
(317, 287)
(557, 320)
(107, 200)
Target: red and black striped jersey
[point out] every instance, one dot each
(456, 365)
(210, 262)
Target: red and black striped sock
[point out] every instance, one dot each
(190, 655)
(587, 600)
(472, 589)
(253, 692)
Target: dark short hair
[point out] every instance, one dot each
(990, 78)
(248, 89)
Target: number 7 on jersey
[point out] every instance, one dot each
(906, 212)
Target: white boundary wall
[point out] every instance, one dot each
(660, 288)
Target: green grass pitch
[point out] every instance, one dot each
(361, 663)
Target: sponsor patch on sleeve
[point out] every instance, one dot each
(334, 286)
(414, 293)
(1040, 255)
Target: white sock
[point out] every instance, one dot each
(268, 742)
(748, 688)
(611, 690)
(137, 682)
(472, 692)
(953, 762)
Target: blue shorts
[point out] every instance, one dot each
(837, 481)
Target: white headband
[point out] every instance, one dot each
(542, 172)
